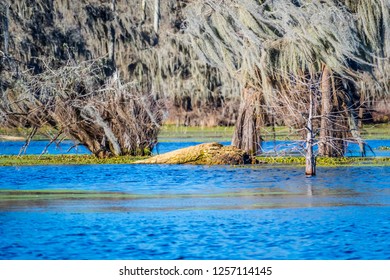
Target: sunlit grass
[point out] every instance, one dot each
(376, 131)
(63, 160)
(174, 133)
(35, 160)
(325, 161)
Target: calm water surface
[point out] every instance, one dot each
(194, 212)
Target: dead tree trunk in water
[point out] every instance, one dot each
(325, 147)
(247, 130)
(353, 116)
(333, 126)
(310, 157)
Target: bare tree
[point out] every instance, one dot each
(270, 45)
(108, 117)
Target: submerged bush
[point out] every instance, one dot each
(108, 117)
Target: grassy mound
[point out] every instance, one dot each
(209, 153)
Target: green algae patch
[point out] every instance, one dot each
(32, 160)
(213, 155)
(325, 161)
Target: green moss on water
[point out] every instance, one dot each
(63, 160)
(35, 160)
(325, 161)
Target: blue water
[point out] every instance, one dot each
(270, 147)
(303, 233)
(197, 212)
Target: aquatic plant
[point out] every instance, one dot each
(64, 160)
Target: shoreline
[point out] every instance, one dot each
(12, 138)
(168, 133)
(45, 160)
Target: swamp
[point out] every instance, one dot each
(79, 208)
(195, 130)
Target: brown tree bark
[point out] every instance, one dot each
(310, 169)
(5, 25)
(333, 126)
(247, 130)
(325, 148)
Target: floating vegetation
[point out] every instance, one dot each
(34, 160)
(384, 148)
(64, 160)
(327, 161)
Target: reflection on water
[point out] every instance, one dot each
(193, 212)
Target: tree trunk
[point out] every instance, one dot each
(362, 106)
(143, 7)
(247, 130)
(325, 148)
(113, 37)
(353, 119)
(310, 157)
(156, 22)
(333, 128)
(5, 24)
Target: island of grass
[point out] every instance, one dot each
(209, 154)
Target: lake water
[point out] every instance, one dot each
(193, 212)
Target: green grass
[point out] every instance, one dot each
(42, 134)
(173, 133)
(376, 131)
(34, 160)
(170, 133)
(224, 134)
(324, 161)
(383, 148)
(63, 160)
